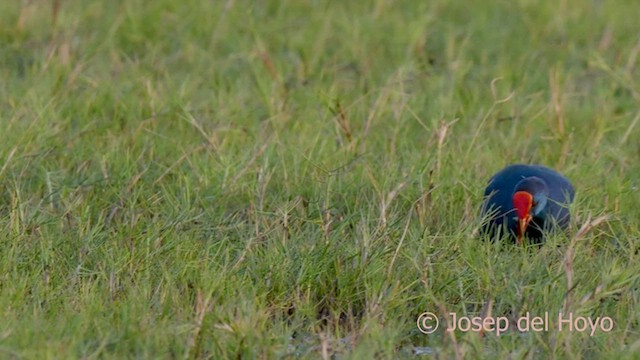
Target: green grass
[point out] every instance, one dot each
(283, 179)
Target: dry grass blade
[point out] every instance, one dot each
(177, 162)
(6, 162)
(441, 135)
(55, 10)
(395, 254)
(587, 226)
(202, 307)
(557, 101)
(387, 200)
(627, 133)
(457, 348)
(251, 161)
(494, 93)
(342, 122)
(487, 311)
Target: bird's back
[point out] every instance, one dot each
(499, 192)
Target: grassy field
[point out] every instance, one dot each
(283, 179)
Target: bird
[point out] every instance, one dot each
(525, 201)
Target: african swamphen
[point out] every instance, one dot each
(525, 201)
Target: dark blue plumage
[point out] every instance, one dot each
(551, 193)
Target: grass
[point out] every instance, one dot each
(283, 179)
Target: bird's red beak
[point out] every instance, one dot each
(522, 202)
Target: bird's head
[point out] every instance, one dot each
(529, 201)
